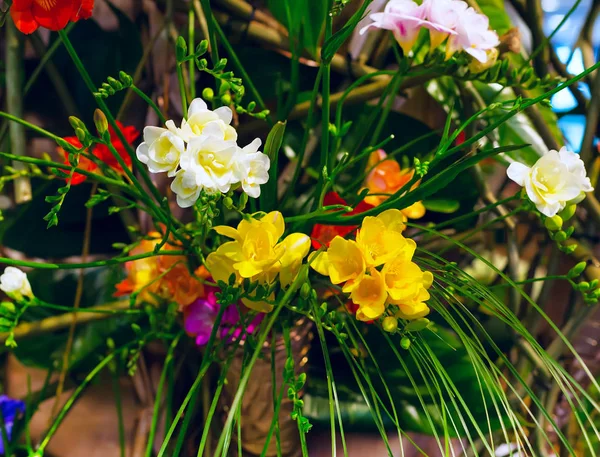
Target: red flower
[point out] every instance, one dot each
(323, 234)
(102, 152)
(28, 15)
(84, 163)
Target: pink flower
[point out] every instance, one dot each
(473, 36)
(200, 316)
(405, 19)
(444, 13)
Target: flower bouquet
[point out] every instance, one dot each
(315, 219)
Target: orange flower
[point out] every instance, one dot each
(28, 15)
(160, 277)
(386, 177)
(102, 152)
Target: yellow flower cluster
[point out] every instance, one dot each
(356, 265)
(257, 253)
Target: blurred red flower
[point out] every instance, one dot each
(28, 15)
(323, 234)
(102, 152)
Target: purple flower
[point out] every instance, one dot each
(9, 409)
(199, 319)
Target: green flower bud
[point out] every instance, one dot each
(81, 135)
(584, 286)
(7, 308)
(228, 202)
(560, 236)
(577, 270)
(100, 121)
(568, 212)
(305, 291)
(553, 223)
(76, 123)
(208, 94)
(390, 324)
(405, 343)
(226, 99)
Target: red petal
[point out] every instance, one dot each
(23, 19)
(53, 14)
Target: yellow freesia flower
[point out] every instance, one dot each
(257, 254)
(380, 238)
(370, 295)
(410, 288)
(343, 262)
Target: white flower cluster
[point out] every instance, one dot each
(203, 154)
(556, 180)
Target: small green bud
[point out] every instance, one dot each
(577, 270)
(583, 286)
(251, 106)
(390, 324)
(201, 48)
(553, 223)
(570, 249)
(305, 291)
(7, 307)
(76, 123)
(594, 284)
(100, 121)
(405, 343)
(225, 86)
(228, 202)
(568, 212)
(81, 135)
(180, 49)
(208, 94)
(226, 99)
(560, 236)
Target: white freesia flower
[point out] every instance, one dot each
(14, 282)
(556, 179)
(213, 161)
(253, 168)
(185, 188)
(203, 154)
(161, 149)
(473, 36)
(203, 121)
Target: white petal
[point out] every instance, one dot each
(225, 114)
(198, 105)
(518, 173)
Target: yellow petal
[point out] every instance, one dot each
(370, 295)
(393, 219)
(219, 266)
(260, 306)
(414, 211)
(414, 311)
(295, 247)
(346, 260)
(227, 231)
(319, 261)
(275, 218)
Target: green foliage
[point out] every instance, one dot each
(304, 20)
(268, 197)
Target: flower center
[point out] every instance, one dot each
(46, 4)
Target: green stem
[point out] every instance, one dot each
(157, 401)
(14, 104)
(150, 102)
(182, 91)
(74, 266)
(71, 401)
(259, 345)
(240, 68)
(119, 408)
(191, 49)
